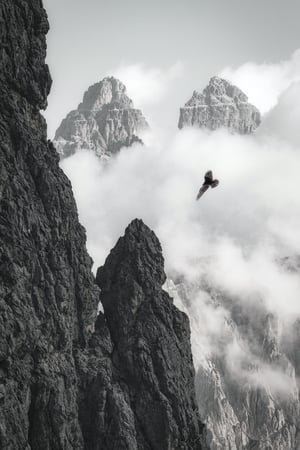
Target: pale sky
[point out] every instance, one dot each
(91, 39)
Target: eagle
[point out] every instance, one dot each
(208, 182)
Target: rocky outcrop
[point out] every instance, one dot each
(68, 378)
(152, 344)
(220, 105)
(105, 121)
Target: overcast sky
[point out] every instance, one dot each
(91, 39)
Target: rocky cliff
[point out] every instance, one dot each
(104, 122)
(220, 105)
(70, 379)
(48, 298)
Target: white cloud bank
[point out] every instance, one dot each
(148, 86)
(235, 235)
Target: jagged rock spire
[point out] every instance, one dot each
(109, 91)
(152, 343)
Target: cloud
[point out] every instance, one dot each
(264, 83)
(284, 119)
(229, 246)
(238, 225)
(256, 277)
(278, 379)
(148, 85)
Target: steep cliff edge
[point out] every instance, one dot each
(48, 299)
(105, 121)
(221, 104)
(66, 375)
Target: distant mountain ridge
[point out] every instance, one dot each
(221, 104)
(105, 121)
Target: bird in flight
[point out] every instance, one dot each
(208, 182)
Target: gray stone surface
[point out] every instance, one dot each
(64, 382)
(220, 105)
(105, 121)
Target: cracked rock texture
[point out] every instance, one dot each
(221, 104)
(105, 121)
(70, 379)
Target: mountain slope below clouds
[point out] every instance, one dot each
(247, 383)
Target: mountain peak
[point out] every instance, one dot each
(109, 91)
(220, 87)
(138, 243)
(221, 104)
(105, 121)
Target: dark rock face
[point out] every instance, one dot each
(105, 121)
(64, 382)
(48, 299)
(152, 343)
(220, 105)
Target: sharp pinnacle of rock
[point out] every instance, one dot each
(152, 343)
(221, 105)
(105, 121)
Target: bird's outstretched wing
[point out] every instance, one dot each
(208, 175)
(203, 189)
(214, 183)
